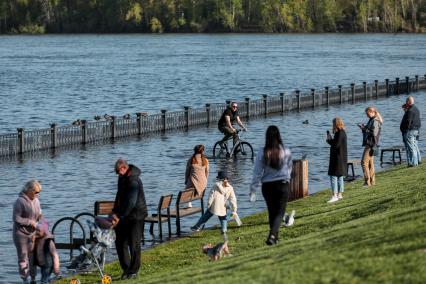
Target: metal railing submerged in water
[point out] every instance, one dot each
(112, 127)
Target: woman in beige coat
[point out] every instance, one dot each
(197, 171)
(221, 192)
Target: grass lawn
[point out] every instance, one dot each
(374, 235)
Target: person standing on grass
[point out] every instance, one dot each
(26, 214)
(272, 168)
(197, 172)
(337, 167)
(128, 216)
(410, 126)
(371, 138)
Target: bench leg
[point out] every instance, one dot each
(169, 224)
(151, 228)
(178, 225)
(160, 230)
(399, 155)
(381, 157)
(393, 157)
(352, 169)
(143, 232)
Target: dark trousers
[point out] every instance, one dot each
(276, 196)
(228, 132)
(128, 244)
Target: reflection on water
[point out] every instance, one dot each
(74, 178)
(63, 78)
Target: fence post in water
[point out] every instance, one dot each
(265, 104)
(298, 99)
(353, 92)
(53, 136)
(376, 88)
(83, 131)
(364, 84)
(282, 102)
(139, 122)
(248, 107)
(396, 86)
(417, 83)
(21, 140)
(113, 118)
(186, 116)
(163, 119)
(208, 113)
(340, 93)
(387, 87)
(299, 180)
(313, 97)
(407, 82)
(327, 95)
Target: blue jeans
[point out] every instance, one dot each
(412, 147)
(207, 215)
(45, 274)
(337, 184)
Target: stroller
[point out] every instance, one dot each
(95, 255)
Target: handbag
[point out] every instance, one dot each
(375, 150)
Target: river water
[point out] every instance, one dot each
(59, 78)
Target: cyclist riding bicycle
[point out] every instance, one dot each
(226, 121)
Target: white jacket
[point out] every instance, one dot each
(218, 197)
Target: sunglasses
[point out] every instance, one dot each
(235, 106)
(37, 192)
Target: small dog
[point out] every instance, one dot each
(216, 252)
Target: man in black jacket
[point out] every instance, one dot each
(410, 126)
(129, 213)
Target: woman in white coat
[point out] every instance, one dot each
(220, 193)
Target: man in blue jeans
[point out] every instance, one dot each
(410, 126)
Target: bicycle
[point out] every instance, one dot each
(221, 149)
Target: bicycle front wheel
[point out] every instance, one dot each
(220, 150)
(244, 150)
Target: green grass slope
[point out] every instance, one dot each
(374, 235)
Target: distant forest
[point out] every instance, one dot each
(205, 16)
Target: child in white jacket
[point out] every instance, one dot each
(221, 192)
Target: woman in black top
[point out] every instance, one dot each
(337, 167)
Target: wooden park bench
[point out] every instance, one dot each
(105, 208)
(160, 217)
(350, 165)
(180, 211)
(394, 150)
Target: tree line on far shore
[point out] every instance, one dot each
(199, 16)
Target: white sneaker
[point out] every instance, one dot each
(289, 219)
(333, 199)
(340, 197)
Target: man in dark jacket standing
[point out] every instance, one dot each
(410, 126)
(129, 213)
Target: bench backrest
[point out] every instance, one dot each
(165, 202)
(103, 207)
(185, 196)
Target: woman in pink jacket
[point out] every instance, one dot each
(26, 213)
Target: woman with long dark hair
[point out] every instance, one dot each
(273, 169)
